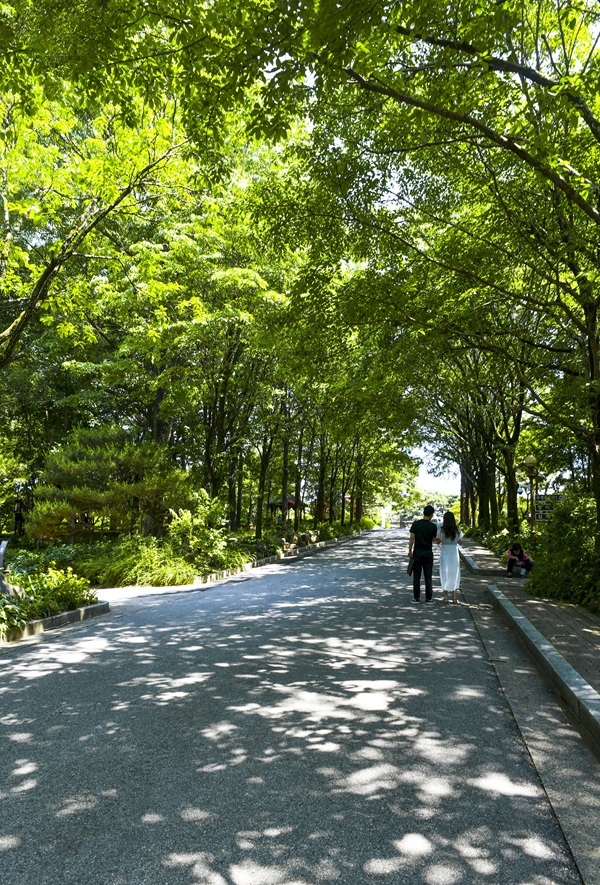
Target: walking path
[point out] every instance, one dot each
(303, 724)
(548, 626)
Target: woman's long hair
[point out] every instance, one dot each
(449, 527)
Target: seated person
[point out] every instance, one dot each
(517, 556)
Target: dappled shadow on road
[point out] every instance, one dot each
(306, 726)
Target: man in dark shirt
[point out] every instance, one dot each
(422, 534)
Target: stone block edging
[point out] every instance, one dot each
(33, 628)
(581, 699)
(277, 557)
(477, 569)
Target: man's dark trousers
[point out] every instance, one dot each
(423, 562)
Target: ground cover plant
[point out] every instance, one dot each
(11, 617)
(43, 593)
(58, 577)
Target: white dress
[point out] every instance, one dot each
(449, 561)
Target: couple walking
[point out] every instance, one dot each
(423, 532)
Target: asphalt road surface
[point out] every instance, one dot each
(297, 725)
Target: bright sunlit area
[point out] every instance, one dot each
(446, 483)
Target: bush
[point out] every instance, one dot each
(563, 551)
(23, 562)
(196, 543)
(269, 544)
(197, 536)
(565, 564)
(11, 617)
(498, 542)
(327, 531)
(138, 561)
(43, 594)
(52, 592)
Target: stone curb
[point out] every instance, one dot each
(477, 569)
(581, 699)
(277, 557)
(33, 628)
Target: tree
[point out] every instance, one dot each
(63, 172)
(102, 480)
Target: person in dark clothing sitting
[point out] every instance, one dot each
(423, 533)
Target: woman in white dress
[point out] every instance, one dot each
(449, 536)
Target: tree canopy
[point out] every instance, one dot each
(287, 242)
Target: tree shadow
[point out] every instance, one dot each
(307, 726)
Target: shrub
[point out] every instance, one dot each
(565, 565)
(327, 531)
(563, 551)
(343, 530)
(11, 617)
(144, 561)
(197, 536)
(198, 533)
(52, 592)
(43, 594)
(269, 544)
(23, 562)
(498, 542)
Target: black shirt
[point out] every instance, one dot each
(424, 531)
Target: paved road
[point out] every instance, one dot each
(302, 724)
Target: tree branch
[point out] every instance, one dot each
(503, 141)
(90, 218)
(511, 67)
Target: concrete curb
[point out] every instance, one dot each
(581, 699)
(277, 557)
(477, 569)
(33, 628)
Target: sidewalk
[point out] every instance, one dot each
(564, 639)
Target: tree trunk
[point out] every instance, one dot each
(595, 463)
(298, 483)
(343, 502)
(265, 457)
(359, 483)
(494, 518)
(464, 498)
(240, 492)
(320, 502)
(332, 482)
(483, 496)
(250, 503)
(158, 428)
(284, 483)
(512, 492)
(232, 492)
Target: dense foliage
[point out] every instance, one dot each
(565, 554)
(260, 252)
(43, 593)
